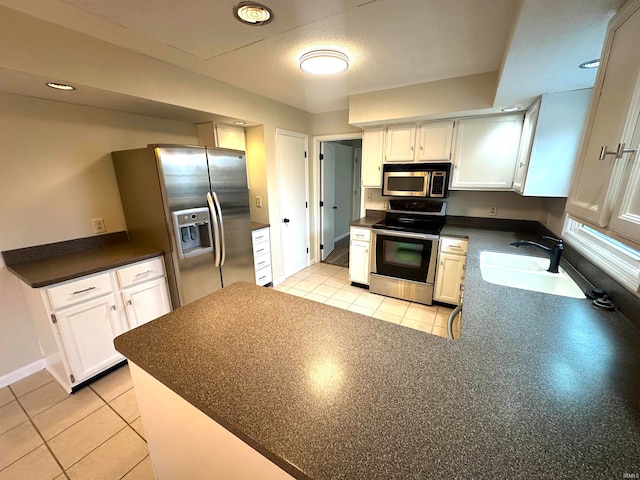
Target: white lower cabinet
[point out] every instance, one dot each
(452, 262)
(359, 255)
(76, 321)
(87, 331)
(262, 256)
(146, 302)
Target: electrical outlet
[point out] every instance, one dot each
(258, 201)
(493, 211)
(98, 225)
(384, 205)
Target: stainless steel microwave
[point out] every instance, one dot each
(416, 180)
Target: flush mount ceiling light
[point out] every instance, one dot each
(595, 63)
(510, 109)
(60, 86)
(238, 122)
(324, 62)
(252, 13)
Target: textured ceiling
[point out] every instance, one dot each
(535, 44)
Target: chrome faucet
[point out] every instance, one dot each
(554, 253)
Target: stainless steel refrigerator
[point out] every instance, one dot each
(193, 203)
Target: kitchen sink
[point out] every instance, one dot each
(527, 273)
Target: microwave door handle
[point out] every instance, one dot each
(222, 237)
(216, 232)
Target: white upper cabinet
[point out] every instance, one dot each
(551, 136)
(221, 135)
(400, 143)
(372, 153)
(485, 151)
(418, 143)
(604, 190)
(434, 141)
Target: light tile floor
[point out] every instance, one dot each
(96, 433)
(330, 284)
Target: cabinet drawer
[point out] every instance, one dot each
(454, 245)
(262, 261)
(263, 276)
(263, 248)
(259, 236)
(140, 272)
(79, 290)
(362, 234)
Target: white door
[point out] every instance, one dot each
(146, 301)
(327, 197)
(293, 181)
(87, 331)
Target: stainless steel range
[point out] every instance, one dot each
(405, 249)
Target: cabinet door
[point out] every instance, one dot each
(400, 143)
(87, 331)
(434, 141)
(146, 302)
(372, 154)
(230, 136)
(524, 151)
(449, 278)
(485, 152)
(626, 217)
(596, 182)
(359, 262)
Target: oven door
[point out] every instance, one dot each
(405, 255)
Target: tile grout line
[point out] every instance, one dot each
(118, 414)
(89, 453)
(44, 442)
(134, 467)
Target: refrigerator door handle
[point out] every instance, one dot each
(216, 233)
(223, 241)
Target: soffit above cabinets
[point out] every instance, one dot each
(533, 44)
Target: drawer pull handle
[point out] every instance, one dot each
(261, 236)
(263, 277)
(83, 291)
(261, 250)
(457, 247)
(260, 263)
(143, 273)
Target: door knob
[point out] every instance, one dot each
(335, 208)
(285, 220)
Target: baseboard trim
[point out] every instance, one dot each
(342, 236)
(22, 372)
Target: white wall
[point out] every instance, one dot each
(476, 204)
(57, 175)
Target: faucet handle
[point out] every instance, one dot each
(557, 240)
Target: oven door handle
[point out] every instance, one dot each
(419, 236)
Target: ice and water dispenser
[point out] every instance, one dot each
(193, 232)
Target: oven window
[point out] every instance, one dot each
(406, 184)
(405, 258)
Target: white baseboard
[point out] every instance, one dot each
(346, 234)
(22, 372)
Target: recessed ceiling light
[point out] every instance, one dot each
(324, 62)
(510, 109)
(239, 123)
(590, 64)
(252, 13)
(60, 86)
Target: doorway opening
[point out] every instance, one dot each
(340, 196)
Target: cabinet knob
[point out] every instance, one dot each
(129, 302)
(113, 307)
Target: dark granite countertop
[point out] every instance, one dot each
(538, 386)
(257, 226)
(41, 271)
